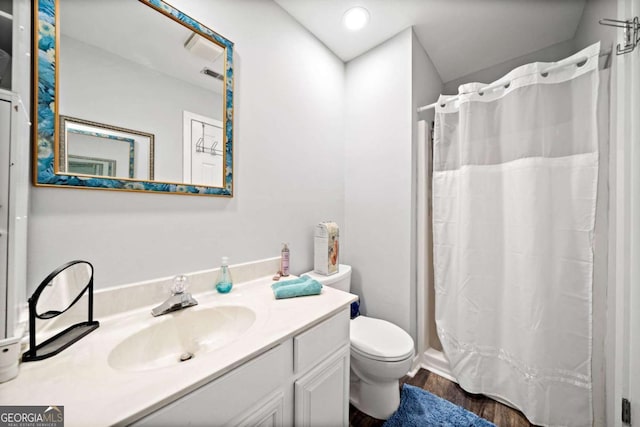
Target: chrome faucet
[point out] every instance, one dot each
(178, 300)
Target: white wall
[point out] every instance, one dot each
(378, 179)
(589, 29)
(380, 174)
(549, 54)
(288, 169)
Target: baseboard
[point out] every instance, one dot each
(434, 361)
(415, 365)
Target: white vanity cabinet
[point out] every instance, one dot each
(303, 381)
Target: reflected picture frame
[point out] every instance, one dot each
(109, 132)
(46, 120)
(95, 165)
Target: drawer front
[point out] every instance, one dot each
(319, 342)
(230, 397)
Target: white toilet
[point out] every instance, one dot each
(381, 353)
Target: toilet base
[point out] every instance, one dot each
(378, 400)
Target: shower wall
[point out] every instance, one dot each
(384, 87)
(424, 91)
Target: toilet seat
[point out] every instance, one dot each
(380, 340)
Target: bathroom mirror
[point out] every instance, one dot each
(61, 289)
(57, 293)
(124, 109)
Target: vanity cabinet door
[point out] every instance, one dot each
(268, 414)
(322, 395)
(236, 398)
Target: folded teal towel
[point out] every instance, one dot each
(301, 279)
(300, 287)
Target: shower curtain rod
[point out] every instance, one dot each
(506, 84)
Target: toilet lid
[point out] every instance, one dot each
(380, 340)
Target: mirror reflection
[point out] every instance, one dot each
(91, 148)
(62, 290)
(203, 157)
(167, 80)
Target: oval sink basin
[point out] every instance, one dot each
(181, 336)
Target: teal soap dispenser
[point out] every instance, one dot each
(224, 283)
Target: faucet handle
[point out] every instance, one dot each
(179, 285)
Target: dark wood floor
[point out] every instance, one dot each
(499, 414)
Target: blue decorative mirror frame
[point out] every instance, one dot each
(46, 123)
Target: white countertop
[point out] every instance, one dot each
(93, 393)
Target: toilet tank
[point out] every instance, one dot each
(340, 280)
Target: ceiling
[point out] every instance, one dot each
(460, 36)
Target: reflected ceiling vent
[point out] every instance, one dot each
(205, 49)
(209, 72)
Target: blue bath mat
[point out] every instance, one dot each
(420, 408)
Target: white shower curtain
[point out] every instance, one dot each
(514, 195)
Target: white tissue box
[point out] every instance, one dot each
(326, 248)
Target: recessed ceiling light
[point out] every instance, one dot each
(356, 18)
